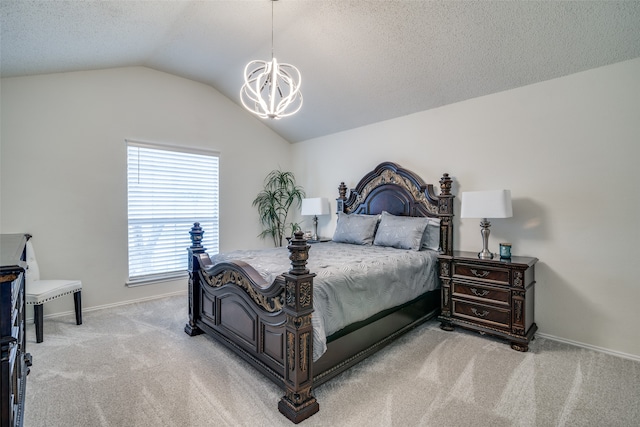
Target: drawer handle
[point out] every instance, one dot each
(483, 314)
(479, 293)
(484, 273)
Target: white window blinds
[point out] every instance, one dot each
(169, 188)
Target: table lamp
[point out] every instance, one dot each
(315, 206)
(486, 204)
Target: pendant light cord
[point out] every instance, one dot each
(272, 1)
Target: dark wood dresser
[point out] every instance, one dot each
(491, 296)
(15, 360)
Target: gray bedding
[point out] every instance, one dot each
(352, 282)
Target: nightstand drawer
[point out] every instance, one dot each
(482, 293)
(494, 316)
(477, 272)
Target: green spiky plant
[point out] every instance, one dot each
(280, 193)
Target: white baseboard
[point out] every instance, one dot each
(590, 347)
(116, 304)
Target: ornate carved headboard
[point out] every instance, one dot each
(399, 191)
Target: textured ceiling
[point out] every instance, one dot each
(361, 61)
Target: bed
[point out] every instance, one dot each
(267, 317)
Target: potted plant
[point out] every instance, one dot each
(280, 193)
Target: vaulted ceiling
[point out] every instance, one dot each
(362, 61)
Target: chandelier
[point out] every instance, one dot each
(271, 90)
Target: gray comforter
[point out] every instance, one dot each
(352, 282)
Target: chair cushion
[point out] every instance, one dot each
(41, 291)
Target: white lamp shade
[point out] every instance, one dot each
(315, 206)
(486, 204)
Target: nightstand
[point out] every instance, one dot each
(490, 296)
(319, 240)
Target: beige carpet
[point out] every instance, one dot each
(134, 366)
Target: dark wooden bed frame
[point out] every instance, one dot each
(269, 324)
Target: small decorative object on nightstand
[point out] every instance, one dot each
(489, 296)
(505, 250)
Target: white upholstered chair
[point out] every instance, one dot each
(38, 291)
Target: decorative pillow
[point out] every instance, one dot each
(403, 232)
(431, 237)
(355, 228)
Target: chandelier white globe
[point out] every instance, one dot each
(271, 90)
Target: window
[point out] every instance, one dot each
(169, 188)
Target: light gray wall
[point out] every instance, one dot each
(63, 167)
(568, 150)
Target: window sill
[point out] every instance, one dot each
(156, 278)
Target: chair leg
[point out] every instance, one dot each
(37, 317)
(77, 302)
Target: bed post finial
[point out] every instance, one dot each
(298, 254)
(196, 238)
(445, 185)
(342, 191)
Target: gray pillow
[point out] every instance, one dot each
(402, 232)
(431, 237)
(355, 228)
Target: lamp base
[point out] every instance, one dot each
(484, 230)
(315, 228)
(485, 255)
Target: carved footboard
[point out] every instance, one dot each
(267, 324)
